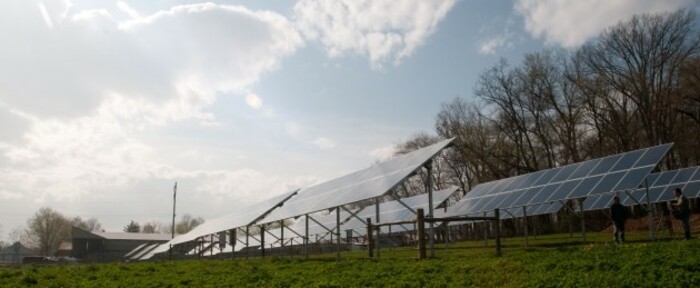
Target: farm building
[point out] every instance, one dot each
(112, 246)
(14, 253)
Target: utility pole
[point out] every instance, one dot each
(172, 230)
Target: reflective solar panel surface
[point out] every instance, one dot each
(365, 184)
(233, 220)
(620, 172)
(661, 186)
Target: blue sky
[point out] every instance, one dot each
(104, 104)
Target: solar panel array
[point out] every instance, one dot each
(661, 186)
(618, 172)
(362, 185)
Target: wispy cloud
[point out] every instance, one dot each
(324, 143)
(572, 23)
(386, 31)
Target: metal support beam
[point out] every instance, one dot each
(498, 232)
(583, 220)
(421, 234)
(306, 235)
(393, 195)
(486, 236)
(526, 227)
(281, 237)
(247, 235)
(379, 229)
(429, 166)
(337, 235)
(353, 214)
(650, 212)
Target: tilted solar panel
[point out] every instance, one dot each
(365, 184)
(620, 172)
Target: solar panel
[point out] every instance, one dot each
(365, 184)
(233, 220)
(620, 172)
(661, 189)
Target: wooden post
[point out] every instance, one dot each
(262, 240)
(421, 234)
(498, 232)
(370, 240)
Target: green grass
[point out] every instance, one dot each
(550, 261)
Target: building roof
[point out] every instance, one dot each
(79, 233)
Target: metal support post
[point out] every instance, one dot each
(498, 232)
(378, 228)
(234, 238)
(486, 236)
(281, 237)
(306, 235)
(337, 234)
(583, 220)
(247, 236)
(525, 224)
(430, 208)
(650, 212)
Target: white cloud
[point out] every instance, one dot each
(128, 10)
(324, 143)
(385, 30)
(292, 129)
(7, 195)
(253, 101)
(223, 49)
(489, 46)
(383, 153)
(572, 23)
(45, 15)
(91, 102)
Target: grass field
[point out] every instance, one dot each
(551, 261)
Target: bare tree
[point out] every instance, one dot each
(640, 60)
(46, 230)
(186, 224)
(151, 227)
(88, 225)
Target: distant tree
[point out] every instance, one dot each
(151, 227)
(90, 225)
(132, 227)
(187, 223)
(46, 230)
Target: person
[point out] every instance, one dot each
(681, 211)
(618, 214)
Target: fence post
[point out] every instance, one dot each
(370, 240)
(421, 234)
(498, 232)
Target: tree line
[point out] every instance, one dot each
(48, 228)
(637, 85)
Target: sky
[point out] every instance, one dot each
(105, 104)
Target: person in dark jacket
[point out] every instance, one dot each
(618, 214)
(681, 210)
